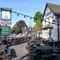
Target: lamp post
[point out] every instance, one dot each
(58, 33)
(58, 23)
(58, 20)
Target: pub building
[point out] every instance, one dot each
(50, 20)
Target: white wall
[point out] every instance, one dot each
(49, 18)
(45, 33)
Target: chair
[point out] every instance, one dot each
(34, 55)
(45, 56)
(55, 50)
(52, 56)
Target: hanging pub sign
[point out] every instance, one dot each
(6, 14)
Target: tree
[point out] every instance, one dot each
(15, 29)
(38, 25)
(37, 16)
(37, 20)
(21, 24)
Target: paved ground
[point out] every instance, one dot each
(19, 52)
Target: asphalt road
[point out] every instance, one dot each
(19, 52)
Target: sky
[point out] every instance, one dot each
(27, 7)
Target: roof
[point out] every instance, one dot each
(55, 8)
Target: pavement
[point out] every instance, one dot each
(19, 52)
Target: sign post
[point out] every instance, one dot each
(5, 30)
(6, 16)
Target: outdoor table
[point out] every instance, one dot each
(43, 51)
(53, 43)
(35, 43)
(43, 48)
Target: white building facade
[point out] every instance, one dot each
(51, 13)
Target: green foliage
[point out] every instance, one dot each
(15, 29)
(38, 25)
(18, 27)
(37, 20)
(37, 16)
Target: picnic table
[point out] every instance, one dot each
(43, 47)
(35, 43)
(45, 52)
(32, 45)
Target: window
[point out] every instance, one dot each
(52, 17)
(53, 20)
(48, 18)
(48, 13)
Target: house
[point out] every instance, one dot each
(50, 20)
(37, 33)
(26, 31)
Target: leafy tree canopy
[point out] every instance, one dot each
(15, 29)
(38, 25)
(37, 16)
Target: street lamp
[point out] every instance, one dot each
(58, 21)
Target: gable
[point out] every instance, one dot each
(48, 16)
(55, 8)
(48, 12)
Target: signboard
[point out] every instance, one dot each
(5, 30)
(6, 14)
(5, 22)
